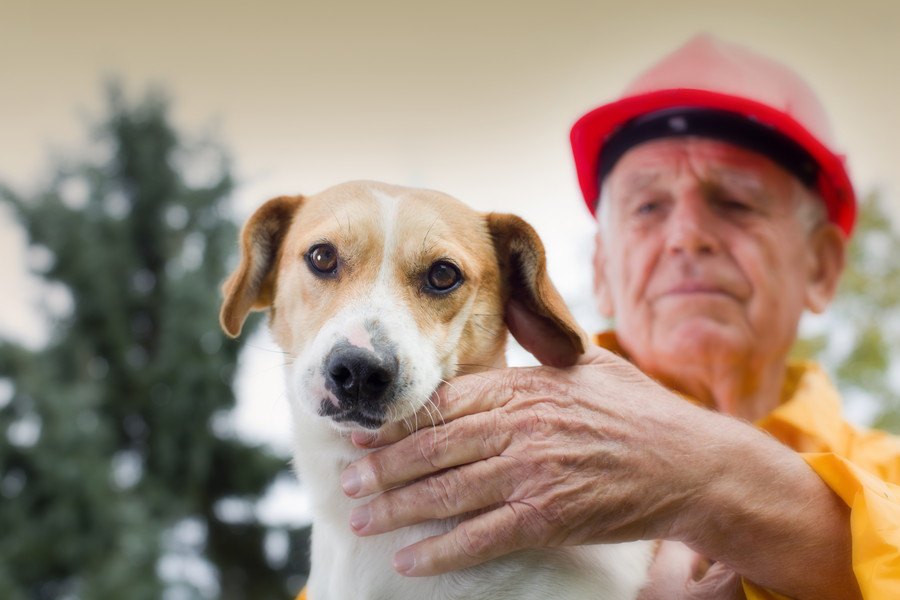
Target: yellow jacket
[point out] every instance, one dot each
(862, 467)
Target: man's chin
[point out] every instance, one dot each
(702, 338)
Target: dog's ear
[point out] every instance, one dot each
(252, 285)
(535, 312)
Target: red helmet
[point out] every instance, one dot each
(715, 77)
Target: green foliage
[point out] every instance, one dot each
(860, 343)
(108, 450)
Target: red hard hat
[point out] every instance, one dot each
(707, 73)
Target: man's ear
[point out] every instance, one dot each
(829, 255)
(602, 293)
(535, 312)
(252, 284)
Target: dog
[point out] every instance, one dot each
(379, 294)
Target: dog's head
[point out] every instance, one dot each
(379, 293)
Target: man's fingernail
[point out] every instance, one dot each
(363, 438)
(404, 561)
(350, 481)
(360, 517)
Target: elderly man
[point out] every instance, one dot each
(722, 216)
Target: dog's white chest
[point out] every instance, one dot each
(347, 567)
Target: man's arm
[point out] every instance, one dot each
(766, 515)
(600, 453)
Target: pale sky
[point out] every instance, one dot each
(472, 98)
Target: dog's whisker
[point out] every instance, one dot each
(349, 228)
(440, 414)
(267, 370)
(453, 388)
(336, 219)
(265, 349)
(428, 406)
(425, 239)
(416, 415)
(489, 327)
(469, 371)
(443, 423)
(492, 367)
(485, 329)
(433, 426)
(476, 374)
(408, 424)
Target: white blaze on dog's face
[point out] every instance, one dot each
(379, 293)
(376, 289)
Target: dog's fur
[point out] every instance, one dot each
(378, 304)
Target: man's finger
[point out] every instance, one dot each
(426, 452)
(472, 542)
(465, 395)
(449, 494)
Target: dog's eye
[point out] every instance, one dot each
(322, 259)
(443, 277)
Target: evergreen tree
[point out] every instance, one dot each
(115, 479)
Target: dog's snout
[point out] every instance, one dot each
(359, 377)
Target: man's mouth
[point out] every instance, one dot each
(697, 288)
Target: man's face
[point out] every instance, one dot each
(703, 255)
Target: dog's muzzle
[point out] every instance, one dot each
(363, 382)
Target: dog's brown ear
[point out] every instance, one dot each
(535, 312)
(252, 285)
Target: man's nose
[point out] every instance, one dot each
(691, 227)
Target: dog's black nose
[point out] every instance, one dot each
(358, 377)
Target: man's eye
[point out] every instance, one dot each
(647, 208)
(734, 205)
(322, 259)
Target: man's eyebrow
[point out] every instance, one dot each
(746, 180)
(638, 180)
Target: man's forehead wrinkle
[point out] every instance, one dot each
(668, 169)
(747, 179)
(637, 180)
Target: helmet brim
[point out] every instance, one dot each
(591, 131)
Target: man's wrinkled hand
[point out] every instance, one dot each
(534, 457)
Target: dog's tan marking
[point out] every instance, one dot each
(522, 259)
(303, 300)
(252, 285)
(500, 257)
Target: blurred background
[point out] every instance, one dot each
(142, 454)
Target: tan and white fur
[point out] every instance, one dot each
(370, 340)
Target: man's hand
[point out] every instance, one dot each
(595, 453)
(541, 457)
